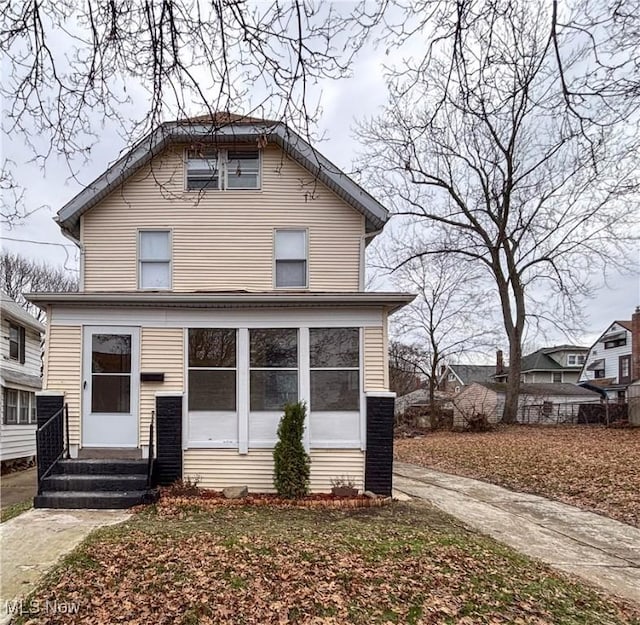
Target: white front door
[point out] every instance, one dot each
(110, 386)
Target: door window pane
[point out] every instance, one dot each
(111, 393)
(334, 347)
(277, 348)
(271, 390)
(211, 389)
(335, 390)
(212, 347)
(111, 353)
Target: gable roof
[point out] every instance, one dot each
(14, 311)
(473, 373)
(625, 324)
(223, 128)
(547, 389)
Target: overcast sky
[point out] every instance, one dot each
(343, 103)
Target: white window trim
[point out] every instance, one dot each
(30, 406)
(306, 259)
(223, 162)
(139, 260)
(244, 413)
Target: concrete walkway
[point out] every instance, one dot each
(30, 544)
(17, 487)
(602, 551)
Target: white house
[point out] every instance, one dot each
(610, 363)
(20, 379)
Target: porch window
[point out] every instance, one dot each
(154, 253)
(556, 377)
(273, 368)
(335, 372)
(212, 369)
(291, 258)
(16, 342)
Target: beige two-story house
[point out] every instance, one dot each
(222, 276)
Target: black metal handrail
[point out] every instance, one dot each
(151, 451)
(52, 442)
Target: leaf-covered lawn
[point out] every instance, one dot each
(403, 563)
(591, 467)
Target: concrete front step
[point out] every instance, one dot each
(95, 499)
(96, 466)
(94, 483)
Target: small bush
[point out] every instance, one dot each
(291, 461)
(184, 488)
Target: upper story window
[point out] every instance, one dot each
(575, 359)
(615, 340)
(154, 259)
(223, 169)
(291, 258)
(16, 342)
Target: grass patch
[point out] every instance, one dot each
(15, 510)
(404, 563)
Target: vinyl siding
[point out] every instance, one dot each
(611, 356)
(218, 468)
(375, 374)
(32, 350)
(162, 351)
(17, 441)
(222, 239)
(64, 371)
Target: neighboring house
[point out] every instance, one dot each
(613, 362)
(559, 364)
(537, 403)
(20, 379)
(222, 275)
(453, 378)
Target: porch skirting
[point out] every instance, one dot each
(218, 468)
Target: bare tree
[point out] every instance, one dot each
(478, 148)
(19, 275)
(452, 315)
(408, 367)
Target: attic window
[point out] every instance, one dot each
(223, 169)
(203, 169)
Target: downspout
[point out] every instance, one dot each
(80, 246)
(363, 245)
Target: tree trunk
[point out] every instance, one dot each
(510, 410)
(433, 410)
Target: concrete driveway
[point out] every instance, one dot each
(17, 487)
(600, 550)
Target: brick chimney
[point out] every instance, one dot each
(635, 345)
(499, 362)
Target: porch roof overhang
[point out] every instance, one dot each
(229, 299)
